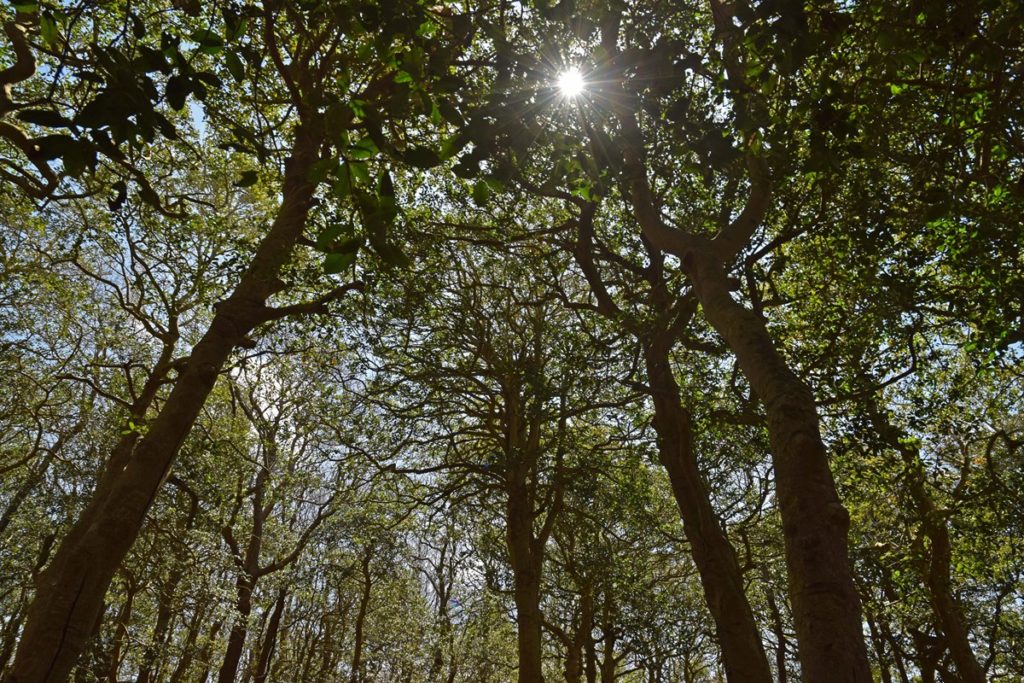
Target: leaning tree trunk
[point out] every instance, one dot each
(743, 653)
(270, 639)
(826, 607)
(71, 590)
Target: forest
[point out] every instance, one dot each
(495, 341)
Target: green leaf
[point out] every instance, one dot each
(235, 66)
(338, 261)
(342, 186)
(165, 126)
(52, 146)
(426, 29)
(364, 149)
(138, 28)
(234, 24)
(481, 192)
(178, 88)
(403, 77)
(321, 169)
(77, 157)
(358, 108)
(48, 29)
(119, 199)
(422, 157)
(208, 38)
(25, 7)
(247, 179)
(210, 79)
(360, 171)
(329, 234)
(43, 117)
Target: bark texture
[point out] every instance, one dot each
(71, 590)
(743, 653)
(826, 607)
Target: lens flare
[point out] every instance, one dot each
(570, 82)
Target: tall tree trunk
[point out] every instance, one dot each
(780, 635)
(270, 639)
(576, 647)
(205, 650)
(609, 636)
(164, 612)
(364, 606)
(826, 606)
(124, 617)
(590, 657)
(721, 578)
(239, 629)
(526, 569)
(8, 637)
(879, 647)
(71, 590)
(188, 647)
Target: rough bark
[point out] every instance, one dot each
(721, 578)
(826, 606)
(526, 569)
(70, 591)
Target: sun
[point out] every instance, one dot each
(570, 82)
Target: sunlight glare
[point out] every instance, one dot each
(570, 82)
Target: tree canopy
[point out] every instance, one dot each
(475, 341)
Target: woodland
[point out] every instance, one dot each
(483, 341)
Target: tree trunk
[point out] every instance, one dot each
(584, 634)
(609, 636)
(239, 630)
(71, 590)
(188, 648)
(780, 635)
(721, 578)
(879, 646)
(364, 606)
(163, 619)
(270, 639)
(124, 617)
(826, 606)
(526, 570)
(936, 566)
